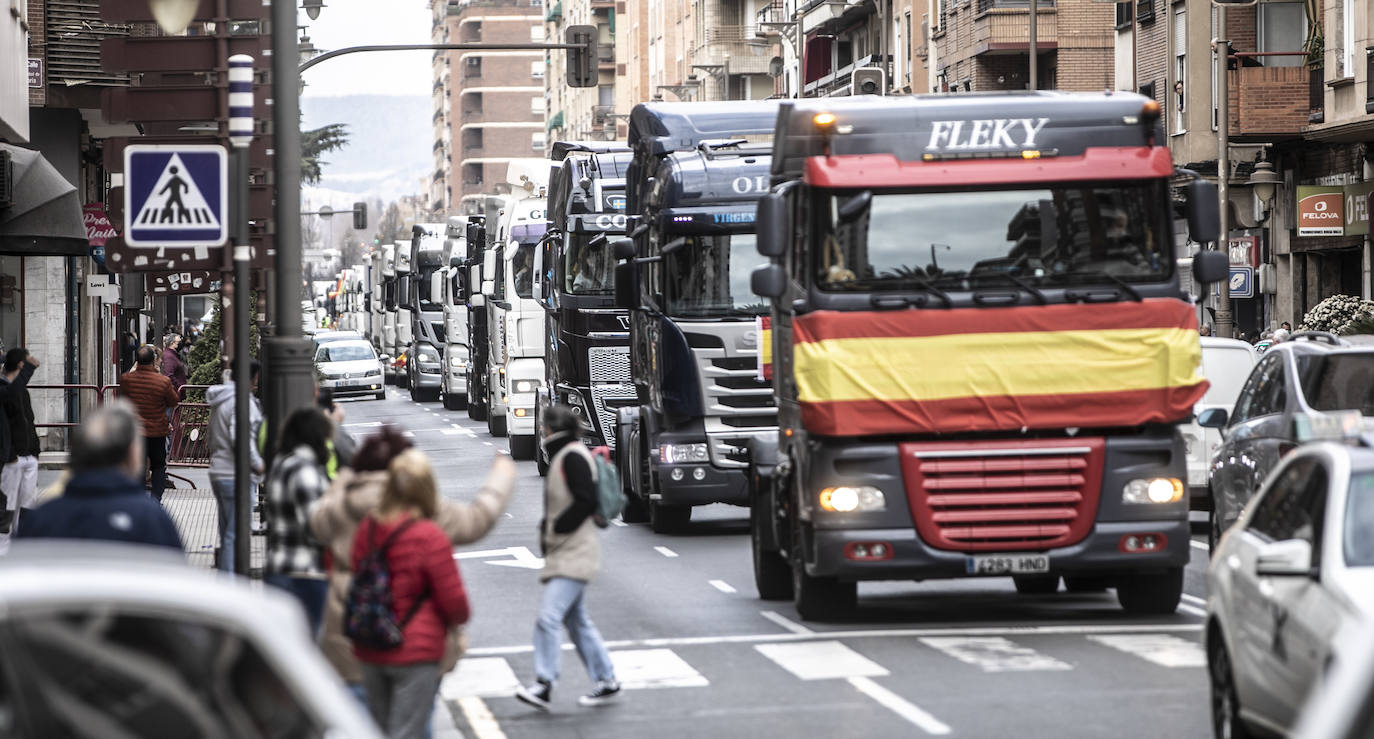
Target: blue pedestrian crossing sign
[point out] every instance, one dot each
(1242, 282)
(176, 195)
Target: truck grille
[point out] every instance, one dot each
(1003, 495)
(611, 385)
(609, 363)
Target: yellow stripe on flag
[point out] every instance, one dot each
(997, 364)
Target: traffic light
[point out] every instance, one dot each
(869, 81)
(360, 216)
(581, 61)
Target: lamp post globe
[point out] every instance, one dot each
(313, 8)
(1263, 180)
(173, 16)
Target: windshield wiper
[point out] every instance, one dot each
(1033, 290)
(1125, 286)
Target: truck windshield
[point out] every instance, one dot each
(522, 266)
(1062, 236)
(428, 301)
(709, 276)
(590, 267)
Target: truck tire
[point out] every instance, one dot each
(668, 519)
(1036, 584)
(636, 511)
(381, 395)
(415, 394)
(477, 411)
(455, 402)
(496, 425)
(1154, 593)
(541, 461)
(822, 598)
(772, 575)
(522, 447)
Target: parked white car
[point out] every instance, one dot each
(1225, 363)
(350, 367)
(1342, 706)
(1295, 569)
(119, 640)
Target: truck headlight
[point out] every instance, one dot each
(524, 386)
(682, 453)
(425, 357)
(456, 362)
(848, 498)
(1155, 490)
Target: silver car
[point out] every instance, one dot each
(105, 640)
(350, 367)
(1296, 568)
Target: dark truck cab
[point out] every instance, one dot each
(693, 184)
(979, 347)
(471, 293)
(587, 352)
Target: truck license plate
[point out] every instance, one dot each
(1008, 564)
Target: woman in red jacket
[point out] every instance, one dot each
(402, 682)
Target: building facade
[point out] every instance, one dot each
(581, 113)
(983, 45)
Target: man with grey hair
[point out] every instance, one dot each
(104, 498)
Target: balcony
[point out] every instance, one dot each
(730, 33)
(837, 82)
(1270, 102)
(772, 12)
(1007, 30)
(605, 54)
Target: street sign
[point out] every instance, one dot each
(35, 72)
(176, 196)
(1242, 282)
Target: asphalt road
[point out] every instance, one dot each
(701, 655)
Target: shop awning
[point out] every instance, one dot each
(45, 217)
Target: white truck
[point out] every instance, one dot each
(390, 288)
(453, 388)
(405, 334)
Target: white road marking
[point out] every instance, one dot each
(665, 551)
(723, 586)
(363, 425)
(808, 635)
(408, 434)
(994, 654)
(479, 677)
(488, 443)
(441, 718)
(639, 669)
(1199, 545)
(900, 706)
(484, 725)
(821, 660)
(452, 432)
(1192, 610)
(618, 522)
(1162, 649)
(785, 622)
(1195, 600)
(521, 557)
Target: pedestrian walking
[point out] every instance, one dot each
(153, 396)
(19, 477)
(357, 493)
(294, 483)
(104, 498)
(172, 365)
(12, 495)
(427, 597)
(223, 426)
(572, 558)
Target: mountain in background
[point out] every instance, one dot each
(389, 150)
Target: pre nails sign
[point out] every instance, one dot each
(1321, 210)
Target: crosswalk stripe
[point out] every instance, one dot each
(482, 677)
(994, 654)
(1162, 649)
(821, 660)
(900, 706)
(638, 669)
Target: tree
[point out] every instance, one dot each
(316, 143)
(391, 228)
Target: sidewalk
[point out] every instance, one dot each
(195, 513)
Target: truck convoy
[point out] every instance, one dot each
(405, 331)
(693, 183)
(423, 301)
(389, 290)
(453, 391)
(587, 352)
(979, 347)
(476, 373)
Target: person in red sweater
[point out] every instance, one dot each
(427, 596)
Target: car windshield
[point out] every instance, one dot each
(590, 268)
(344, 352)
(1338, 382)
(1226, 369)
(1068, 235)
(1359, 521)
(709, 276)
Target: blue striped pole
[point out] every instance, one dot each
(240, 137)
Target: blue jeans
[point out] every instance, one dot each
(310, 592)
(224, 496)
(563, 606)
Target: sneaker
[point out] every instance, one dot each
(605, 693)
(537, 694)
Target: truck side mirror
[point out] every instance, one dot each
(436, 286)
(768, 280)
(537, 274)
(1204, 212)
(488, 270)
(626, 286)
(624, 248)
(772, 225)
(1210, 265)
(477, 300)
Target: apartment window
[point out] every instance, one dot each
(537, 141)
(537, 106)
(537, 69)
(1123, 16)
(1346, 56)
(899, 49)
(939, 15)
(1180, 66)
(1282, 27)
(474, 67)
(906, 69)
(536, 34)
(1145, 11)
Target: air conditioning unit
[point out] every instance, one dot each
(869, 81)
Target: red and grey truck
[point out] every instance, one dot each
(979, 347)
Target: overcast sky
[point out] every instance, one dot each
(345, 23)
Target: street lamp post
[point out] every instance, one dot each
(241, 137)
(1225, 321)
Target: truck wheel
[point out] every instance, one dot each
(822, 598)
(522, 447)
(496, 425)
(454, 402)
(381, 395)
(415, 393)
(1036, 584)
(1086, 583)
(772, 576)
(477, 411)
(668, 519)
(541, 461)
(636, 511)
(1154, 593)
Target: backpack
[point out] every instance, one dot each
(369, 613)
(610, 498)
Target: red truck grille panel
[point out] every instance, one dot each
(990, 496)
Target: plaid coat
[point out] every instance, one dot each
(294, 484)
